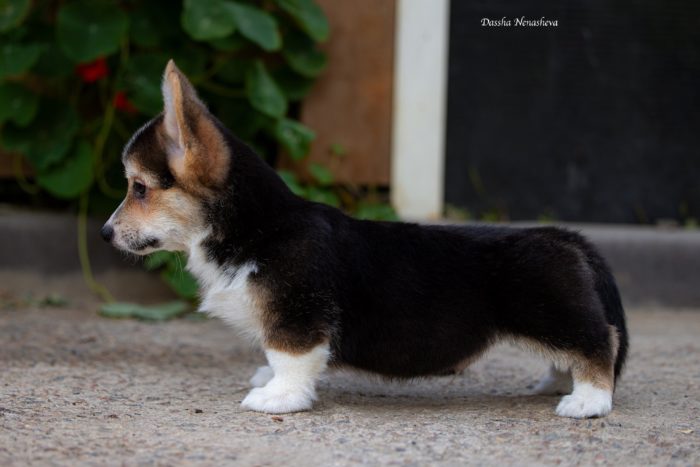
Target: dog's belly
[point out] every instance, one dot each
(406, 355)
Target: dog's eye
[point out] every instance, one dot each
(139, 190)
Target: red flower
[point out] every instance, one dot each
(92, 71)
(121, 102)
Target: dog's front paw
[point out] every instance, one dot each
(586, 402)
(278, 398)
(262, 376)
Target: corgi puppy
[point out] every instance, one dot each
(316, 288)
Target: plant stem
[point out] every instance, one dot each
(22, 181)
(95, 286)
(99, 150)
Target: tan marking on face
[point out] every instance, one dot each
(167, 215)
(133, 170)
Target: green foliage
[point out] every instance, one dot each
(12, 12)
(376, 211)
(88, 29)
(322, 175)
(72, 176)
(264, 93)
(17, 104)
(78, 77)
(308, 16)
(256, 25)
(207, 19)
(16, 59)
(302, 57)
(46, 139)
(171, 270)
(160, 312)
(295, 137)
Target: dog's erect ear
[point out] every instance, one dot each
(196, 148)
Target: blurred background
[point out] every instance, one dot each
(421, 110)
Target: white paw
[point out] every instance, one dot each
(586, 401)
(279, 398)
(554, 384)
(262, 376)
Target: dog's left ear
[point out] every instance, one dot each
(197, 151)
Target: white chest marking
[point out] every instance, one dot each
(226, 293)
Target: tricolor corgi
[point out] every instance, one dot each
(316, 288)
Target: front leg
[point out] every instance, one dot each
(293, 386)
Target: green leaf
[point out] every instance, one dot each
(243, 119)
(12, 13)
(294, 137)
(234, 70)
(72, 177)
(118, 310)
(17, 104)
(338, 150)
(16, 59)
(308, 16)
(162, 312)
(150, 24)
(88, 29)
(207, 19)
(53, 63)
(190, 58)
(263, 92)
(302, 56)
(159, 312)
(53, 300)
(48, 138)
(142, 31)
(292, 182)
(158, 259)
(323, 195)
(142, 81)
(321, 174)
(376, 211)
(232, 43)
(181, 281)
(293, 85)
(256, 25)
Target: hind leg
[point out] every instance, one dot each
(593, 390)
(555, 382)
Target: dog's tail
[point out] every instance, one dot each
(610, 297)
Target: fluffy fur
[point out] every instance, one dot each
(315, 287)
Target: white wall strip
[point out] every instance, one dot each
(420, 93)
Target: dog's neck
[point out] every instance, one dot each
(254, 199)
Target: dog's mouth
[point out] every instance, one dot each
(142, 245)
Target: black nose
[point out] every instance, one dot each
(107, 232)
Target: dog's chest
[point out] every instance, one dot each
(228, 294)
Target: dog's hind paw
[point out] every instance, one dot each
(276, 398)
(585, 402)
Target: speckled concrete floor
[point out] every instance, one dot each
(78, 389)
